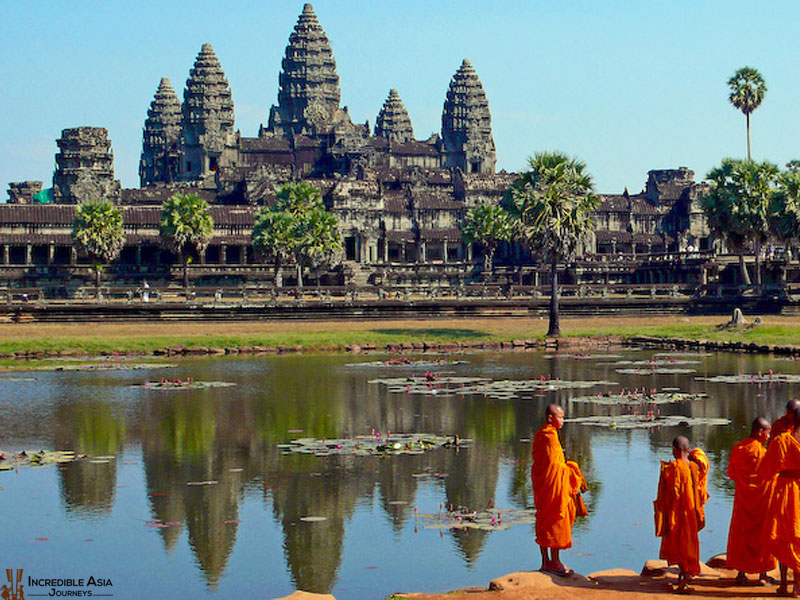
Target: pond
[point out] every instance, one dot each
(189, 488)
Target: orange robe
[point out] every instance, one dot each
(781, 535)
(557, 484)
(680, 510)
(745, 549)
(781, 425)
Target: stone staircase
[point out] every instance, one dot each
(360, 272)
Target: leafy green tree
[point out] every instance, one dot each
(737, 206)
(553, 205)
(274, 234)
(97, 231)
(186, 226)
(785, 206)
(488, 225)
(298, 225)
(747, 92)
(321, 241)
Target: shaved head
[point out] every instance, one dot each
(792, 406)
(759, 424)
(553, 409)
(796, 415)
(681, 443)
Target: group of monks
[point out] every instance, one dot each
(765, 525)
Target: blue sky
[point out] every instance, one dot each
(625, 86)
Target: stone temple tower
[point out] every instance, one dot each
(393, 121)
(208, 138)
(467, 124)
(308, 94)
(84, 166)
(161, 140)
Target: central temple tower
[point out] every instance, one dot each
(308, 94)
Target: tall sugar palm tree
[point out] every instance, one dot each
(97, 231)
(553, 204)
(186, 225)
(747, 92)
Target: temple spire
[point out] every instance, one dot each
(393, 121)
(160, 160)
(467, 124)
(308, 95)
(208, 118)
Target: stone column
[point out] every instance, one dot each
(385, 250)
(73, 256)
(28, 252)
(469, 252)
(51, 253)
(5, 254)
(444, 251)
(423, 252)
(223, 254)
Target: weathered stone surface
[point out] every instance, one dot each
(209, 141)
(84, 166)
(467, 124)
(161, 152)
(308, 94)
(393, 122)
(21, 192)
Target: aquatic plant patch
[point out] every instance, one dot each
(646, 421)
(655, 371)
(374, 445)
(178, 384)
(403, 362)
(507, 389)
(108, 366)
(494, 519)
(641, 398)
(10, 461)
(754, 378)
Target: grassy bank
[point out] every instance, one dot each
(335, 335)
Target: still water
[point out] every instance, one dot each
(243, 536)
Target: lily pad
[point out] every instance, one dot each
(182, 385)
(646, 421)
(754, 378)
(108, 366)
(640, 399)
(661, 362)
(655, 371)
(40, 458)
(312, 519)
(506, 389)
(495, 519)
(401, 362)
(374, 445)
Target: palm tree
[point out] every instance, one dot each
(553, 204)
(785, 207)
(737, 206)
(274, 234)
(747, 92)
(97, 231)
(186, 225)
(488, 225)
(321, 241)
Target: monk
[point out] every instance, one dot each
(785, 423)
(679, 509)
(750, 498)
(781, 535)
(557, 485)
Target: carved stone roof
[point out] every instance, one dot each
(393, 121)
(162, 128)
(449, 234)
(466, 120)
(308, 94)
(207, 99)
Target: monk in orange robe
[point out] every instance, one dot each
(745, 551)
(680, 509)
(781, 535)
(785, 422)
(557, 485)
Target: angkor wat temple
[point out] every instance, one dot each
(400, 200)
